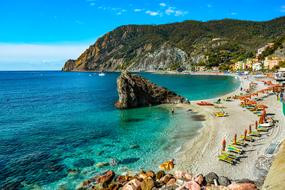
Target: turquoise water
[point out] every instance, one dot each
(55, 127)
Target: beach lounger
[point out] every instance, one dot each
(248, 138)
(266, 125)
(221, 114)
(261, 129)
(239, 143)
(255, 134)
(234, 149)
(227, 154)
(226, 159)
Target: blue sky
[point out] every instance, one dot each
(44, 33)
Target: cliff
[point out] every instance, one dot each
(177, 46)
(135, 91)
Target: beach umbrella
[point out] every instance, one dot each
(235, 139)
(261, 121)
(264, 113)
(249, 129)
(245, 133)
(224, 144)
(262, 106)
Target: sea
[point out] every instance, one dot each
(58, 129)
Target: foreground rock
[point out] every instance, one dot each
(151, 181)
(135, 91)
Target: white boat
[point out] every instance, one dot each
(101, 74)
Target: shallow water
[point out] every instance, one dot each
(55, 127)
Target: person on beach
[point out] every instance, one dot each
(172, 111)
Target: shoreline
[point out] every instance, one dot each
(199, 155)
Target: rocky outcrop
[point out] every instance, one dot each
(144, 181)
(135, 91)
(164, 58)
(177, 45)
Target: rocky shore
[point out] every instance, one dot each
(135, 91)
(149, 180)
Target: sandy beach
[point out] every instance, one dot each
(199, 155)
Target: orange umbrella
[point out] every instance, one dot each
(264, 113)
(235, 139)
(224, 144)
(245, 133)
(262, 106)
(261, 121)
(249, 129)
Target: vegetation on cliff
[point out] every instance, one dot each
(213, 43)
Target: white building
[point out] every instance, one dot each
(257, 66)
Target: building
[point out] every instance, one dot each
(261, 50)
(280, 75)
(245, 65)
(271, 62)
(257, 66)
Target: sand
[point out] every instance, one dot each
(199, 155)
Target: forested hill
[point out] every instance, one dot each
(177, 45)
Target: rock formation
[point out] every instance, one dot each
(135, 91)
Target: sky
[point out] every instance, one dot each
(43, 34)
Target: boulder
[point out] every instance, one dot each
(242, 186)
(192, 185)
(106, 178)
(165, 178)
(217, 188)
(123, 179)
(147, 184)
(135, 91)
(182, 175)
(150, 174)
(224, 181)
(160, 174)
(134, 184)
(211, 178)
(171, 182)
(199, 179)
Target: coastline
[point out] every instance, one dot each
(199, 155)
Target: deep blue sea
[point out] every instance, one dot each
(55, 127)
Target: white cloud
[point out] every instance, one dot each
(169, 10)
(162, 4)
(209, 5)
(137, 10)
(152, 13)
(283, 9)
(35, 57)
(180, 13)
(233, 13)
(175, 12)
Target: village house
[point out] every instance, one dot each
(257, 66)
(271, 62)
(261, 50)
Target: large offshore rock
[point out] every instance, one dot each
(135, 91)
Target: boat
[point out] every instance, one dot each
(101, 74)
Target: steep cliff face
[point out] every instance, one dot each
(135, 91)
(178, 45)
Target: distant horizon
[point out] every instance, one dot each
(40, 35)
